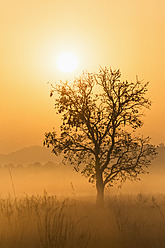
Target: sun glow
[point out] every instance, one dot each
(67, 62)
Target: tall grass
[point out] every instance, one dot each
(43, 221)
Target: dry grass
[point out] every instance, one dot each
(45, 222)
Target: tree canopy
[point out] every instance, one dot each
(100, 115)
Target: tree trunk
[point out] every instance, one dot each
(100, 190)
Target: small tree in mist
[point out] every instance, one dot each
(100, 116)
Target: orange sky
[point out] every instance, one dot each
(129, 35)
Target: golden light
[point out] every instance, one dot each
(67, 62)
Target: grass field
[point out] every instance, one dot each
(46, 222)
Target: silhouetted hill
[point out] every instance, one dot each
(28, 155)
(158, 164)
(33, 154)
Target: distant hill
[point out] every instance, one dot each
(158, 163)
(28, 155)
(33, 154)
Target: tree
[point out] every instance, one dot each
(98, 134)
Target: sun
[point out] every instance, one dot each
(67, 62)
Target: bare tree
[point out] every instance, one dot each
(100, 118)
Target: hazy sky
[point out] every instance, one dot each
(124, 34)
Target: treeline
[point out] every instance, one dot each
(39, 165)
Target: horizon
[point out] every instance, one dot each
(49, 149)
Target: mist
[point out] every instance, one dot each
(31, 171)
